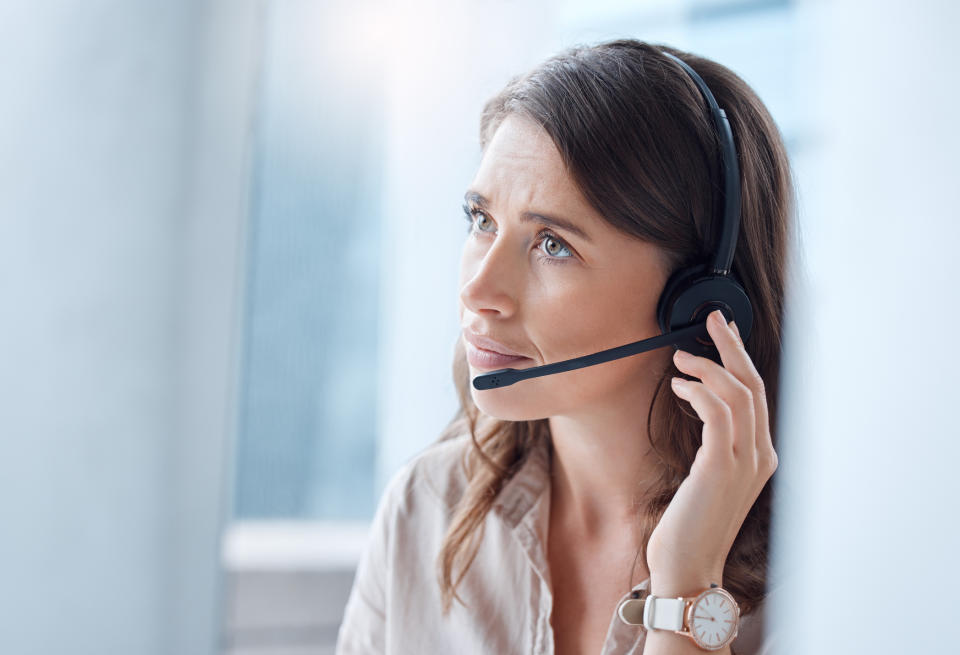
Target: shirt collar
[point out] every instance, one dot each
(527, 486)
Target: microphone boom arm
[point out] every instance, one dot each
(506, 376)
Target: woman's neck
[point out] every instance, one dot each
(600, 465)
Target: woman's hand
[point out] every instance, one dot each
(689, 546)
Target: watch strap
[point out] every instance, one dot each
(663, 613)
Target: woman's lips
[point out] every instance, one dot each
(487, 359)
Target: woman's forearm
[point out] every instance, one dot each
(666, 642)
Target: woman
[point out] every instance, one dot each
(548, 506)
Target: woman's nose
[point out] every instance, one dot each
(490, 281)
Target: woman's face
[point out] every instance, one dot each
(549, 293)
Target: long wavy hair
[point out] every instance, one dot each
(636, 137)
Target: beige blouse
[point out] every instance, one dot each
(394, 605)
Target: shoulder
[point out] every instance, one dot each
(404, 536)
(434, 477)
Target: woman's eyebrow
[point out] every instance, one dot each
(529, 217)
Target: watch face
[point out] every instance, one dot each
(713, 619)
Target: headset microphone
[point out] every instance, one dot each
(690, 294)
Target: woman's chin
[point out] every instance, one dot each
(507, 405)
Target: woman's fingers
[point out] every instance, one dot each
(734, 394)
(738, 384)
(719, 422)
(764, 439)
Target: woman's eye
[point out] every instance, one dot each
(554, 247)
(474, 218)
(483, 221)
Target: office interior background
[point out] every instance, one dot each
(229, 243)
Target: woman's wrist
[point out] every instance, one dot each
(674, 584)
(687, 584)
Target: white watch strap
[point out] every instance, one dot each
(663, 613)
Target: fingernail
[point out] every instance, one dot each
(718, 318)
(677, 383)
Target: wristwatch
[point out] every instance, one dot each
(711, 618)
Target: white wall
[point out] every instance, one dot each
(122, 164)
(867, 531)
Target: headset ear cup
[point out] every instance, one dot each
(691, 294)
(677, 283)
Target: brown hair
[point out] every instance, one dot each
(636, 137)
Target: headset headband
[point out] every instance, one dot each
(723, 258)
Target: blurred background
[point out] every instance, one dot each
(229, 243)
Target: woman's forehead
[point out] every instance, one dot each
(522, 168)
(525, 143)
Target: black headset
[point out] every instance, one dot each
(691, 292)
